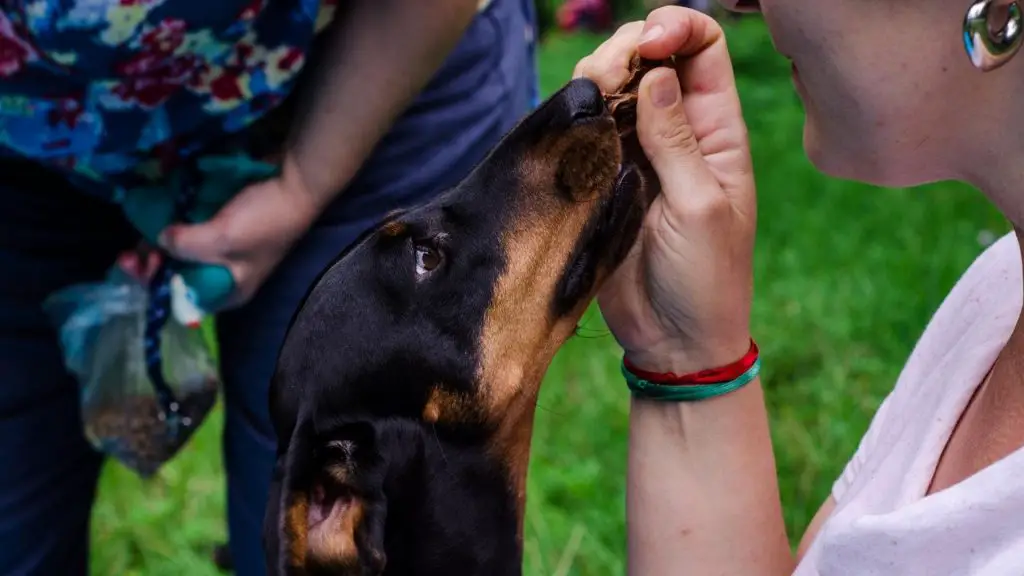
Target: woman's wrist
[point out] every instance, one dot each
(675, 357)
(706, 470)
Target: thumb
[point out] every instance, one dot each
(664, 131)
(204, 242)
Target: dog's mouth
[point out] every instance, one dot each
(624, 208)
(332, 517)
(612, 232)
(327, 505)
(636, 180)
(622, 107)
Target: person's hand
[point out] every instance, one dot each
(250, 234)
(140, 263)
(681, 301)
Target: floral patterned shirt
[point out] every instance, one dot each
(113, 91)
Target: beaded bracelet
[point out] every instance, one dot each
(695, 386)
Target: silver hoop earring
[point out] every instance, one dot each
(989, 50)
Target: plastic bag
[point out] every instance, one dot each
(102, 329)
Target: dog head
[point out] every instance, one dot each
(404, 393)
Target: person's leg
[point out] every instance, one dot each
(50, 237)
(481, 92)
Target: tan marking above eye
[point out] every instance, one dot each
(393, 228)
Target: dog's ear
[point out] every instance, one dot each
(330, 508)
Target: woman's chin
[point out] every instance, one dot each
(898, 152)
(839, 159)
(826, 159)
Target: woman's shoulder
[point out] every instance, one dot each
(954, 352)
(970, 326)
(896, 456)
(984, 302)
(999, 264)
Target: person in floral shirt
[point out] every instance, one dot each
(398, 100)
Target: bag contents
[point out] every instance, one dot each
(147, 379)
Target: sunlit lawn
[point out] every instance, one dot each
(846, 276)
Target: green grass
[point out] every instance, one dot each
(847, 276)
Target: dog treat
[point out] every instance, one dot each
(622, 103)
(134, 431)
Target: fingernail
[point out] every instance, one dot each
(665, 91)
(653, 34)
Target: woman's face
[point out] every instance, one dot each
(890, 96)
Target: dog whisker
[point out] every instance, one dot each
(596, 333)
(537, 405)
(433, 428)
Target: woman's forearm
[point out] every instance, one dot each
(378, 56)
(702, 492)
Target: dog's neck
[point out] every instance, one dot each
(511, 441)
(512, 445)
(450, 511)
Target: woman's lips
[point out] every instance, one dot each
(797, 84)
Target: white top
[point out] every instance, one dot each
(883, 522)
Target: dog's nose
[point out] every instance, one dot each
(583, 99)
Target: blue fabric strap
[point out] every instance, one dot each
(159, 308)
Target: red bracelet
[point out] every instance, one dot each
(726, 373)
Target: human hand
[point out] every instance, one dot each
(140, 263)
(249, 235)
(681, 300)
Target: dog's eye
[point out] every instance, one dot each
(427, 259)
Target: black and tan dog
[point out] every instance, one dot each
(405, 390)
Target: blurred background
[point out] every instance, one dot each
(847, 275)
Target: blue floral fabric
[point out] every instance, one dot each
(117, 91)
